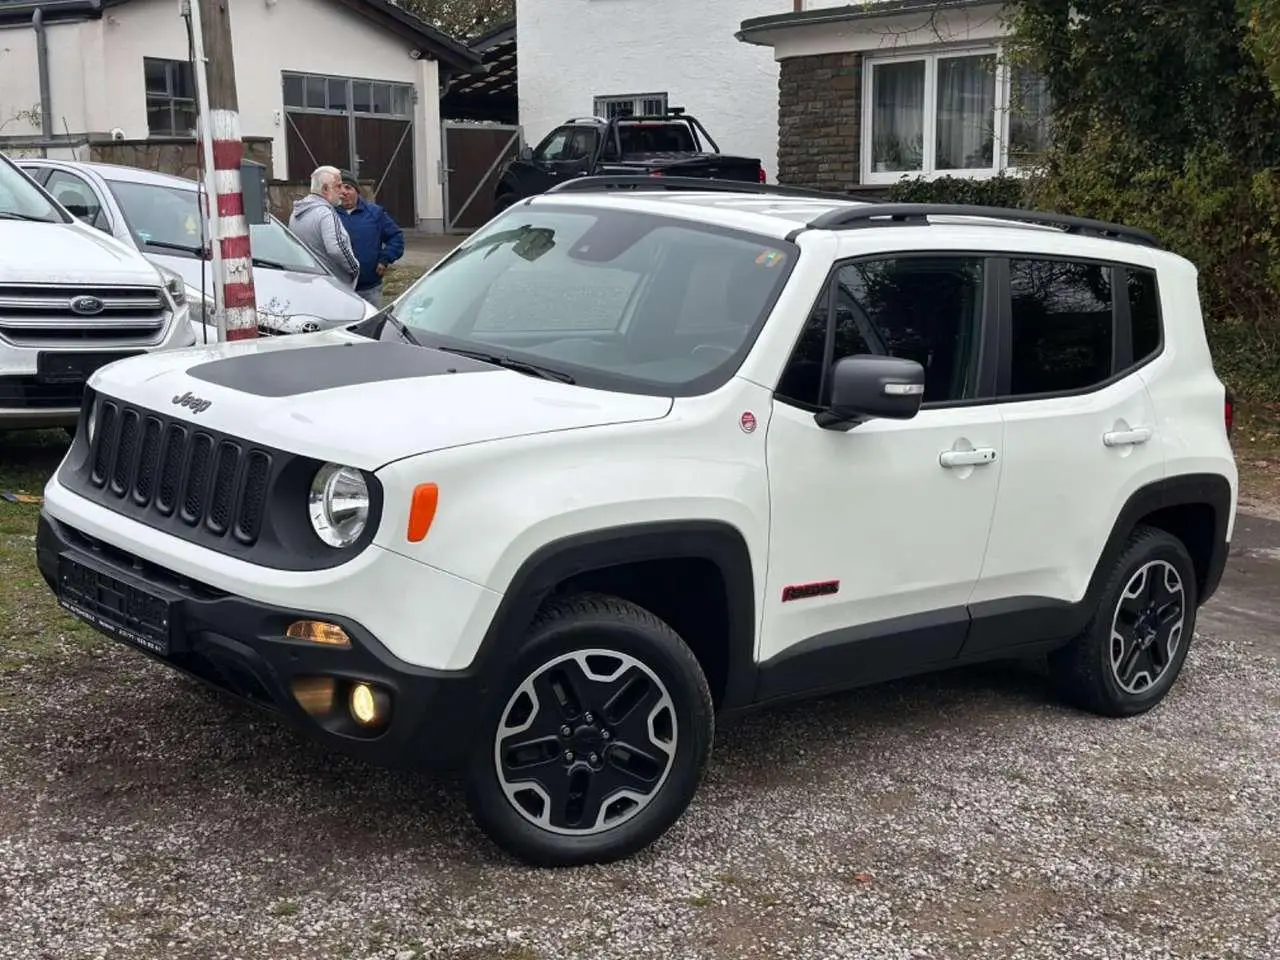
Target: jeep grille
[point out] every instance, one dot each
(174, 469)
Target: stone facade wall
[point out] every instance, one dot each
(819, 117)
(180, 158)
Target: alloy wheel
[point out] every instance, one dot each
(1146, 630)
(586, 742)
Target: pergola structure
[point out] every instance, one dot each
(487, 92)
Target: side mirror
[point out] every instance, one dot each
(869, 386)
(526, 153)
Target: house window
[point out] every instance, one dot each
(171, 98)
(630, 105)
(950, 113)
(323, 94)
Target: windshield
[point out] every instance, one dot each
(616, 299)
(166, 219)
(21, 199)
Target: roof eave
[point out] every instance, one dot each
(756, 30)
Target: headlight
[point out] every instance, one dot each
(338, 504)
(201, 315)
(177, 289)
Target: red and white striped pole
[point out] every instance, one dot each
(235, 301)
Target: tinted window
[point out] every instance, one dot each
(1062, 325)
(1144, 313)
(646, 138)
(617, 298)
(927, 309)
(77, 197)
(551, 148)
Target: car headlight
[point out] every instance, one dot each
(338, 504)
(177, 289)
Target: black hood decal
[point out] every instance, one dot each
(291, 372)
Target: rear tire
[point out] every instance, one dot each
(1132, 651)
(597, 738)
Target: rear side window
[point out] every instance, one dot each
(1062, 326)
(1144, 313)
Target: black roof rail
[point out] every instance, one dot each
(902, 214)
(640, 181)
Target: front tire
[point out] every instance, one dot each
(1131, 653)
(597, 738)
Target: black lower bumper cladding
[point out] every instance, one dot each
(239, 646)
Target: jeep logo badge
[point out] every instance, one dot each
(87, 306)
(195, 404)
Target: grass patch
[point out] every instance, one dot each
(33, 628)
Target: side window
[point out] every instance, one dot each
(927, 309)
(1062, 326)
(78, 197)
(551, 149)
(581, 144)
(1144, 313)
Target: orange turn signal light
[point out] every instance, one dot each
(422, 510)
(317, 631)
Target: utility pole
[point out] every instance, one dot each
(219, 126)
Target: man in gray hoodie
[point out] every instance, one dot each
(316, 221)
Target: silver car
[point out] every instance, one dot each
(159, 215)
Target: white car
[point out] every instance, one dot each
(159, 215)
(630, 459)
(71, 300)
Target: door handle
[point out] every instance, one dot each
(1126, 438)
(967, 458)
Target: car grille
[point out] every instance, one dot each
(38, 315)
(172, 471)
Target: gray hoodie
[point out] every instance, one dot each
(315, 220)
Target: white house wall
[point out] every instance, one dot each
(572, 51)
(97, 78)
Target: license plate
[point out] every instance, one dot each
(119, 608)
(59, 367)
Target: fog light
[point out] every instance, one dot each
(317, 631)
(369, 705)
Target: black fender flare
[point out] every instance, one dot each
(1210, 489)
(719, 542)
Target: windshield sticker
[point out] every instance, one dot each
(770, 258)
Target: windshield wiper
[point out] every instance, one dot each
(185, 247)
(511, 363)
(269, 264)
(399, 324)
(7, 215)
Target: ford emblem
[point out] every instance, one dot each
(87, 306)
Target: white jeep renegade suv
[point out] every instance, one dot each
(627, 460)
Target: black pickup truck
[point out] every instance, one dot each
(671, 144)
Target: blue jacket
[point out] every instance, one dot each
(376, 239)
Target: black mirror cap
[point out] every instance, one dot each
(869, 386)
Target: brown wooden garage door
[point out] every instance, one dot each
(365, 126)
(474, 156)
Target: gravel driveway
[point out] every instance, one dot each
(959, 816)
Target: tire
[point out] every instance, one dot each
(503, 201)
(1084, 671)
(584, 654)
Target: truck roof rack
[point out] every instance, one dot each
(908, 214)
(692, 184)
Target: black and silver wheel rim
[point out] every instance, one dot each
(586, 742)
(1146, 630)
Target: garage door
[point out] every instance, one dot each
(365, 126)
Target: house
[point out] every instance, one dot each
(879, 90)
(353, 83)
(610, 57)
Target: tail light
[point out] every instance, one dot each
(1229, 412)
(655, 173)
(762, 177)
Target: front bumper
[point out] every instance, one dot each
(239, 646)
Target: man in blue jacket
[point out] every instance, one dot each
(377, 239)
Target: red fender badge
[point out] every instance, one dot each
(748, 422)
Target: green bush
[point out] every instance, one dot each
(1166, 117)
(999, 191)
